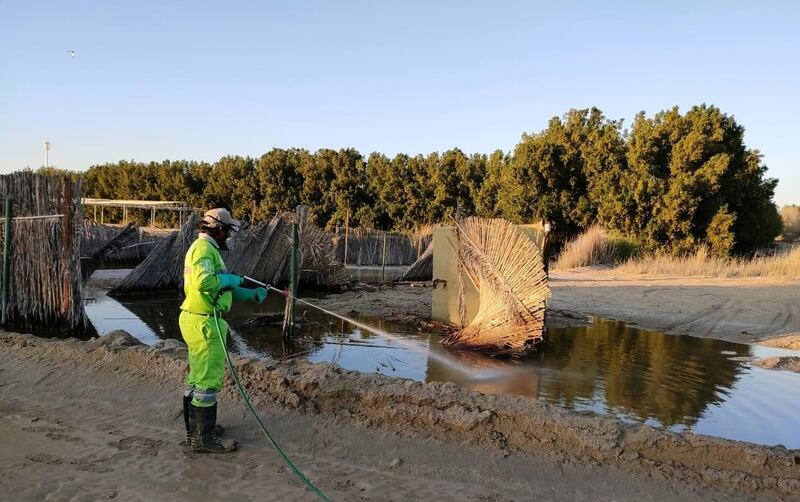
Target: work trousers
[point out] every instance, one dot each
(206, 356)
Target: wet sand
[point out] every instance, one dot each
(86, 421)
(100, 420)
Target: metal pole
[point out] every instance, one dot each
(293, 279)
(6, 260)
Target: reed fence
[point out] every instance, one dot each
(43, 287)
(359, 246)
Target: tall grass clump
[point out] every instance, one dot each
(703, 262)
(595, 247)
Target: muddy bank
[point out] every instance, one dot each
(519, 431)
(383, 301)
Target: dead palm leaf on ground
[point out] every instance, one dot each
(507, 269)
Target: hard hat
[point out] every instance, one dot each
(220, 217)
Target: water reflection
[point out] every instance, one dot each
(668, 378)
(649, 375)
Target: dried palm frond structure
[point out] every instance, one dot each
(318, 262)
(505, 266)
(163, 267)
(422, 269)
(260, 251)
(130, 247)
(44, 289)
(101, 256)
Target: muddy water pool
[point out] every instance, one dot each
(703, 385)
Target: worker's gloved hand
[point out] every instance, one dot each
(285, 293)
(257, 295)
(260, 294)
(229, 281)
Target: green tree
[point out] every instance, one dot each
(233, 183)
(563, 173)
(386, 184)
(280, 180)
(486, 198)
(455, 179)
(683, 169)
(719, 233)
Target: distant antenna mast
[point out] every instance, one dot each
(46, 154)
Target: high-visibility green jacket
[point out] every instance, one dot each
(200, 281)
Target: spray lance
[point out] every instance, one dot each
(452, 364)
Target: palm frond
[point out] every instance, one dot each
(507, 269)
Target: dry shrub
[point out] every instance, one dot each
(595, 247)
(703, 262)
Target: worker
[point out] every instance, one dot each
(208, 286)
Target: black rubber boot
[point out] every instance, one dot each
(187, 409)
(204, 437)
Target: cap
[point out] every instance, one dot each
(218, 217)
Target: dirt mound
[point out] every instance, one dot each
(788, 363)
(791, 342)
(445, 412)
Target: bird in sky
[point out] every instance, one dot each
(71, 53)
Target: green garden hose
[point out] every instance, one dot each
(302, 477)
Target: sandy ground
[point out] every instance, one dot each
(737, 310)
(93, 420)
(101, 420)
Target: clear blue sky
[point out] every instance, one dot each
(198, 80)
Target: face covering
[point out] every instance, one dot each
(225, 244)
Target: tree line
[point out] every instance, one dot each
(672, 182)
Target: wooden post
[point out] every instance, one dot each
(102, 215)
(6, 261)
(293, 279)
(346, 232)
(94, 208)
(153, 217)
(383, 258)
(67, 288)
